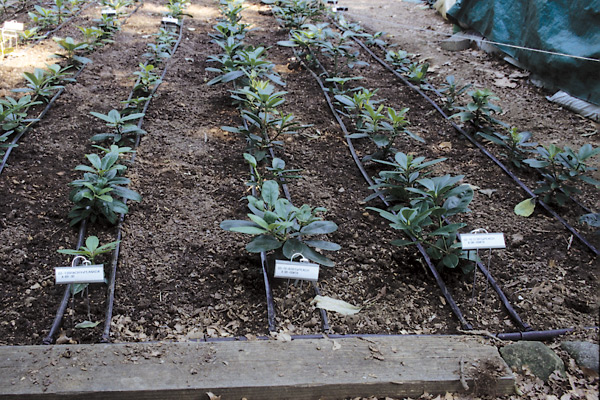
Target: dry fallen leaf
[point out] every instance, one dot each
(212, 396)
(336, 345)
(505, 83)
(445, 145)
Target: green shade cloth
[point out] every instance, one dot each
(561, 26)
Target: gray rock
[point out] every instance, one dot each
(584, 353)
(456, 42)
(538, 357)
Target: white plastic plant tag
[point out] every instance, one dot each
(109, 11)
(170, 20)
(296, 270)
(474, 241)
(13, 26)
(80, 274)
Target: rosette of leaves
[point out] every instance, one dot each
(122, 131)
(295, 13)
(13, 113)
(147, 79)
(39, 82)
(393, 184)
(72, 49)
(479, 111)
(265, 122)
(561, 169)
(452, 91)
(515, 143)
(382, 126)
(96, 196)
(424, 221)
(276, 224)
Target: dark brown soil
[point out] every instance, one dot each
(182, 277)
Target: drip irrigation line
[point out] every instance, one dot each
(138, 137)
(286, 191)
(368, 179)
(65, 300)
(505, 302)
(482, 149)
(40, 116)
(48, 106)
(105, 338)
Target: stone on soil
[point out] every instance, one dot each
(536, 356)
(584, 353)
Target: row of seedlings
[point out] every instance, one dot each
(44, 86)
(102, 194)
(280, 229)
(561, 169)
(417, 204)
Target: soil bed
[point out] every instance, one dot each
(181, 277)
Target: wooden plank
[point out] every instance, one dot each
(301, 369)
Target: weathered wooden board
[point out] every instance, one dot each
(301, 369)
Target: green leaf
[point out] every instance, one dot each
(250, 230)
(319, 228)
(402, 242)
(92, 243)
(259, 221)
(450, 260)
(525, 208)
(323, 245)
(263, 243)
(335, 305)
(293, 246)
(270, 192)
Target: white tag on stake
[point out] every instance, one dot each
(170, 20)
(474, 241)
(109, 11)
(80, 274)
(296, 270)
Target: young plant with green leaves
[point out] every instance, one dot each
(39, 83)
(382, 126)
(295, 13)
(417, 73)
(515, 143)
(424, 221)
(479, 111)
(393, 184)
(452, 91)
(90, 251)
(29, 34)
(123, 131)
(94, 36)
(13, 113)
(277, 224)
(72, 50)
(337, 46)
(97, 196)
(147, 79)
(276, 171)
(355, 104)
(3, 138)
(562, 168)
(266, 124)
(43, 17)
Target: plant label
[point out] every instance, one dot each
(80, 274)
(109, 11)
(474, 241)
(338, 9)
(170, 20)
(296, 270)
(13, 26)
